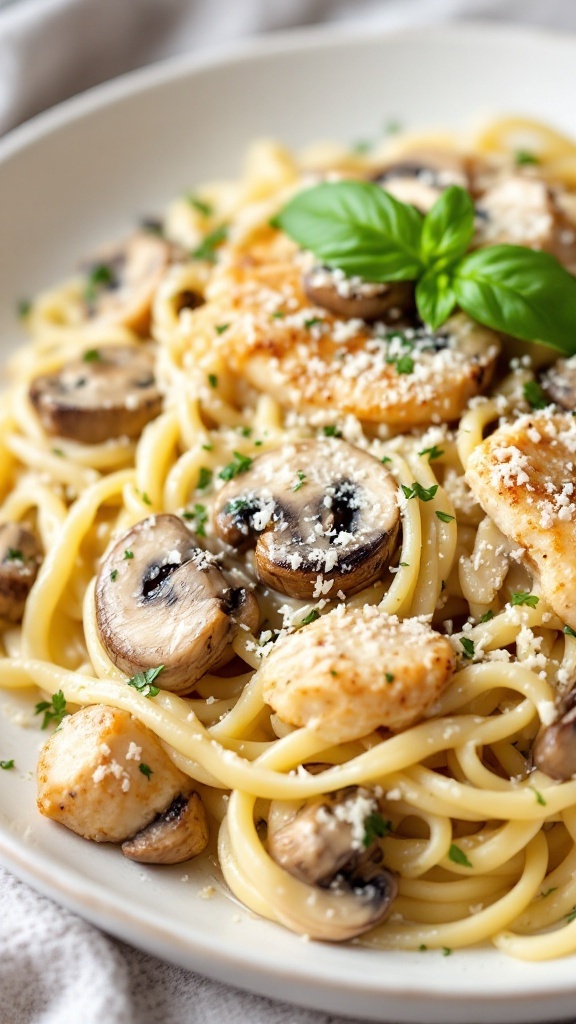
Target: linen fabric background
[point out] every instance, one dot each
(54, 967)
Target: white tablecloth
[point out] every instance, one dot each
(54, 967)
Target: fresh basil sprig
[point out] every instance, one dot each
(361, 229)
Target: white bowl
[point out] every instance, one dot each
(82, 174)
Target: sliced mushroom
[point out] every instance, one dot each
(161, 600)
(109, 392)
(521, 209)
(19, 561)
(324, 847)
(122, 281)
(178, 834)
(90, 775)
(317, 511)
(559, 383)
(420, 177)
(350, 297)
(554, 751)
(355, 670)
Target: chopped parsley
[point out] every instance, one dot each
(143, 681)
(571, 916)
(445, 517)
(467, 646)
(13, 555)
(487, 616)
(58, 452)
(548, 892)
(301, 480)
(241, 464)
(146, 770)
(433, 453)
(331, 431)
(333, 672)
(54, 710)
(101, 276)
(128, 555)
(207, 447)
(524, 158)
(389, 677)
(309, 324)
(206, 209)
(244, 431)
(404, 364)
(458, 856)
(524, 597)
(145, 498)
(23, 308)
(446, 951)
(278, 315)
(208, 246)
(92, 355)
(311, 617)
(539, 798)
(198, 517)
(220, 328)
(213, 380)
(569, 631)
(113, 574)
(534, 395)
(204, 478)
(385, 459)
(6, 765)
(375, 826)
(236, 505)
(417, 491)
(422, 947)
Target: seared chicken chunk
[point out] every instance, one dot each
(524, 476)
(354, 670)
(89, 776)
(309, 359)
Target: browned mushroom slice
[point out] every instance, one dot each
(328, 846)
(521, 209)
(105, 775)
(350, 297)
(161, 600)
(555, 748)
(419, 177)
(19, 561)
(178, 834)
(109, 392)
(559, 383)
(122, 281)
(316, 510)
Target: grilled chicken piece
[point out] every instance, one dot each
(524, 476)
(311, 360)
(354, 670)
(89, 776)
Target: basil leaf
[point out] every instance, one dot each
(448, 227)
(521, 292)
(357, 227)
(435, 298)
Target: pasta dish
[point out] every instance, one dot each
(287, 522)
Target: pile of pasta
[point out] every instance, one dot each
(461, 778)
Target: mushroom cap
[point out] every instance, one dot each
(351, 297)
(89, 776)
(162, 600)
(355, 670)
(19, 561)
(419, 177)
(135, 270)
(559, 383)
(109, 392)
(314, 509)
(554, 751)
(176, 835)
(323, 847)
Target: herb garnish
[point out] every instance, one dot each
(458, 856)
(301, 480)
(331, 431)
(200, 205)
(363, 230)
(311, 617)
(524, 158)
(146, 770)
(204, 478)
(571, 916)
(534, 395)
(199, 518)
(143, 681)
(100, 277)
(417, 491)
(467, 646)
(13, 555)
(128, 555)
(487, 616)
(220, 328)
(445, 517)
(569, 631)
(539, 798)
(389, 677)
(241, 464)
(6, 765)
(23, 308)
(433, 453)
(375, 826)
(54, 710)
(92, 355)
(208, 246)
(113, 574)
(213, 380)
(524, 597)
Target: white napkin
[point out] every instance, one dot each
(54, 967)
